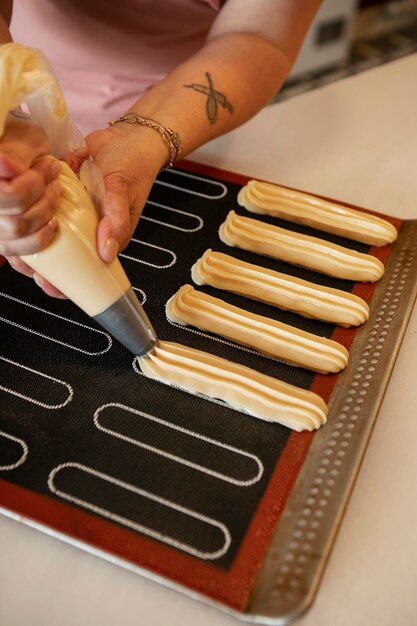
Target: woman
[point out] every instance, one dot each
(189, 71)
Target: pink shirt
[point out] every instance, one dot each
(106, 53)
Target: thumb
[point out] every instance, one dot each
(114, 228)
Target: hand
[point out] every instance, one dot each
(28, 192)
(129, 157)
(28, 195)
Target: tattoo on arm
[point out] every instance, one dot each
(214, 98)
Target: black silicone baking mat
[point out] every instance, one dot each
(186, 488)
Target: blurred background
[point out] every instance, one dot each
(351, 36)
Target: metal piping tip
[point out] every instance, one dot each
(127, 322)
(152, 350)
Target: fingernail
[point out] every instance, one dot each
(56, 186)
(111, 248)
(52, 224)
(38, 280)
(55, 168)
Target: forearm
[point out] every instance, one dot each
(218, 89)
(250, 49)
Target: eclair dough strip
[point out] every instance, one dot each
(311, 252)
(303, 208)
(265, 335)
(286, 292)
(241, 387)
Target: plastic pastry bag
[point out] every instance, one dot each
(27, 79)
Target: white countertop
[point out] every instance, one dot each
(355, 140)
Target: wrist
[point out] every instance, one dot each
(167, 136)
(142, 145)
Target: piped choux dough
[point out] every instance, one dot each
(297, 347)
(296, 206)
(281, 290)
(311, 252)
(241, 387)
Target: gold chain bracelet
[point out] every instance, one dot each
(171, 138)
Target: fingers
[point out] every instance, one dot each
(9, 167)
(47, 168)
(27, 206)
(32, 230)
(22, 267)
(19, 193)
(76, 158)
(28, 195)
(23, 141)
(114, 229)
(107, 244)
(47, 287)
(35, 218)
(30, 244)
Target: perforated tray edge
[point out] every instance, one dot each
(291, 572)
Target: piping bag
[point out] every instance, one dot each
(71, 261)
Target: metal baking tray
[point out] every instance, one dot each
(290, 569)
